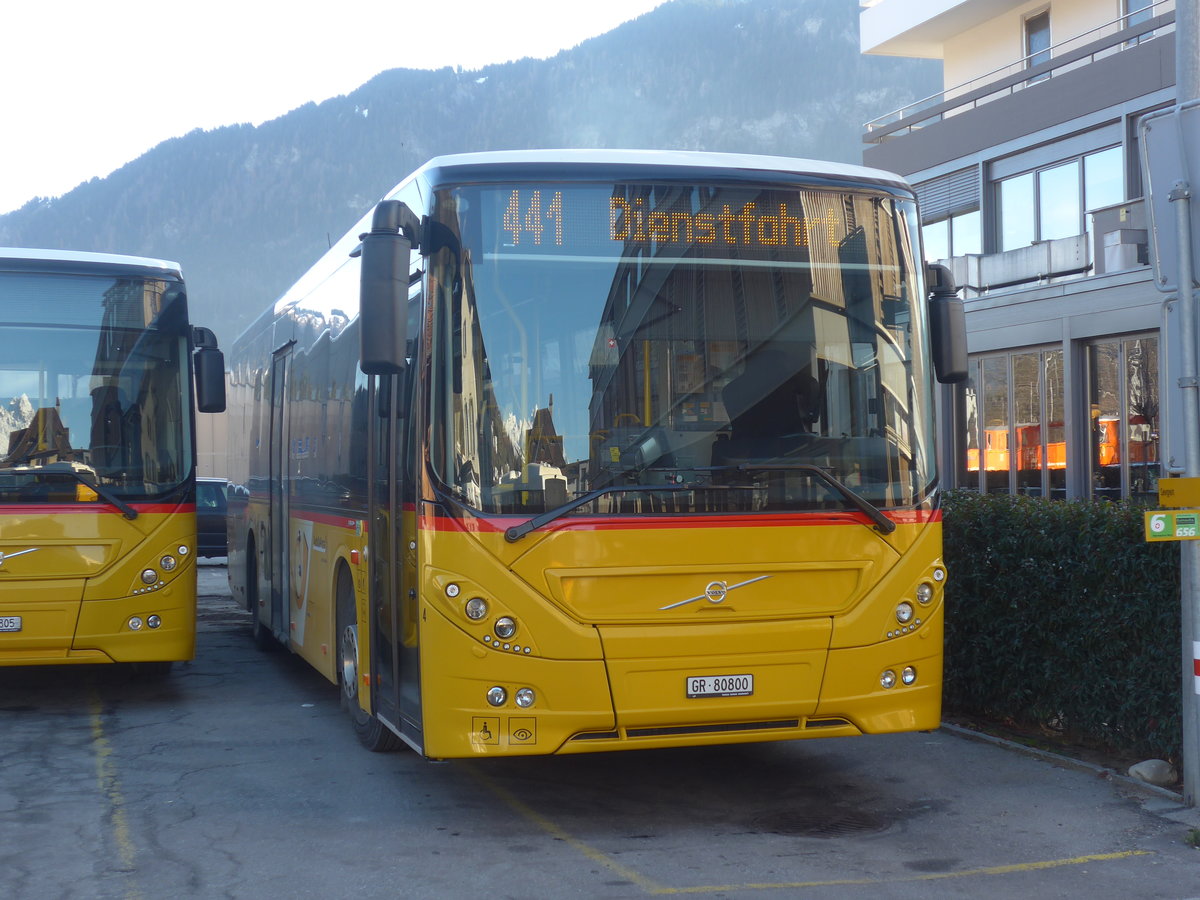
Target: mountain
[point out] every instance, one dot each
(246, 210)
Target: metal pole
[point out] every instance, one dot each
(1187, 87)
(1187, 51)
(1189, 550)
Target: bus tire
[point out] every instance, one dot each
(371, 733)
(259, 633)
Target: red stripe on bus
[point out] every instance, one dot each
(91, 508)
(497, 525)
(630, 523)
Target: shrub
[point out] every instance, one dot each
(1060, 616)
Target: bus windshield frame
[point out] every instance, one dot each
(740, 347)
(94, 387)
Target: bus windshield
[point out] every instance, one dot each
(93, 387)
(719, 342)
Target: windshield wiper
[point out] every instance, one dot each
(882, 522)
(514, 534)
(108, 496)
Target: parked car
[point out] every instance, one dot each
(210, 516)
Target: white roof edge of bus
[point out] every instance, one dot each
(685, 158)
(86, 256)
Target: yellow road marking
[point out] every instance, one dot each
(651, 887)
(110, 789)
(933, 876)
(554, 831)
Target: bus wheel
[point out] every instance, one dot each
(259, 633)
(372, 733)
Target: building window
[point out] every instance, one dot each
(1015, 441)
(953, 236)
(1060, 204)
(1037, 42)
(1051, 202)
(1103, 178)
(1123, 419)
(1018, 220)
(1137, 11)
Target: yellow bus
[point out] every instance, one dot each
(574, 451)
(97, 459)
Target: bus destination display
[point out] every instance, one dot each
(586, 219)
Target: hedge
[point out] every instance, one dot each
(1061, 617)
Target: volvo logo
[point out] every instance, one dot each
(4, 556)
(715, 592)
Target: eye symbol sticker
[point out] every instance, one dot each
(522, 734)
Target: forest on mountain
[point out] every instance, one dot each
(246, 210)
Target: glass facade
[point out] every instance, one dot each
(1052, 202)
(1014, 435)
(956, 235)
(1123, 411)
(1018, 444)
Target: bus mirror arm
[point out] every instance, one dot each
(947, 326)
(383, 288)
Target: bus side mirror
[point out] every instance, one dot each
(947, 326)
(209, 364)
(383, 288)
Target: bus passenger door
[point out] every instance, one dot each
(277, 541)
(385, 550)
(392, 554)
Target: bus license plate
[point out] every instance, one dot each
(10, 623)
(719, 685)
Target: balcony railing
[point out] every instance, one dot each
(1115, 242)
(1106, 40)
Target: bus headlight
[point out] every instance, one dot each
(525, 698)
(908, 675)
(888, 679)
(167, 563)
(924, 593)
(496, 696)
(476, 608)
(904, 613)
(149, 576)
(135, 623)
(505, 627)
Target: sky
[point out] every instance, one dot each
(89, 85)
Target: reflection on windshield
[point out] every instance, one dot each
(92, 388)
(716, 341)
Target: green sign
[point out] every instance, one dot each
(1172, 525)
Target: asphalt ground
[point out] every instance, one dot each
(239, 776)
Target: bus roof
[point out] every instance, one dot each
(650, 164)
(27, 259)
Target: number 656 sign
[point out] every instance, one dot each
(1172, 525)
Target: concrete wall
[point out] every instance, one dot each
(1001, 41)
